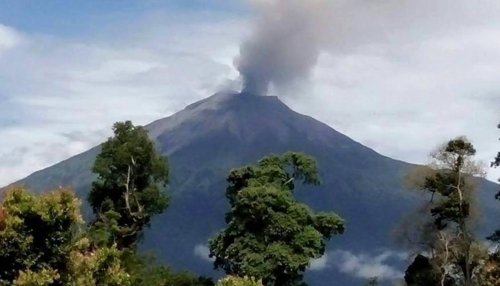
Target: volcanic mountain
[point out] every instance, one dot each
(208, 138)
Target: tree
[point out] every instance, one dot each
(496, 163)
(446, 230)
(372, 282)
(89, 266)
(491, 270)
(269, 234)
(38, 231)
(161, 275)
(422, 273)
(492, 266)
(41, 243)
(145, 270)
(238, 281)
(127, 194)
(129, 188)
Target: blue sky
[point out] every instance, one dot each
(390, 78)
(77, 18)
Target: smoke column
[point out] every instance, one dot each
(289, 35)
(283, 47)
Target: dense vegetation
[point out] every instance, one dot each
(270, 237)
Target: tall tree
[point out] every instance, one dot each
(496, 163)
(492, 266)
(129, 189)
(447, 228)
(41, 243)
(269, 234)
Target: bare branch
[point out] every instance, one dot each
(130, 191)
(289, 181)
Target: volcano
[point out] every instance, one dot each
(208, 138)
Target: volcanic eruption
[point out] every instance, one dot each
(210, 137)
(284, 45)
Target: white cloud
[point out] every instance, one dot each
(403, 99)
(362, 265)
(366, 266)
(490, 246)
(201, 251)
(320, 263)
(9, 38)
(51, 87)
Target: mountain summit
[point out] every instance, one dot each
(248, 118)
(208, 138)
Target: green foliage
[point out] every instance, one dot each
(238, 281)
(422, 273)
(269, 234)
(449, 233)
(450, 185)
(145, 270)
(126, 195)
(496, 162)
(40, 244)
(491, 270)
(163, 276)
(38, 232)
(43, 277)
(129, 188)
(372, 282)
(96, 266)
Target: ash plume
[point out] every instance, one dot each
(289, 35)
(284, 45)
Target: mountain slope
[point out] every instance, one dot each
(208, 138)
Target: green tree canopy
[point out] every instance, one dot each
(146, 270)
(41, 243)
(269, 234)
(372, 282)
(129, 189)
(238, 281)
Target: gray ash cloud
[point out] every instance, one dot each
(289, 35)
(283, 46)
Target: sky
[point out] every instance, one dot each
(70, 69)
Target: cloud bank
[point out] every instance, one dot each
(61, 96)
(367, 266)
(362, 265)
(320, 263)
(201, 251)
